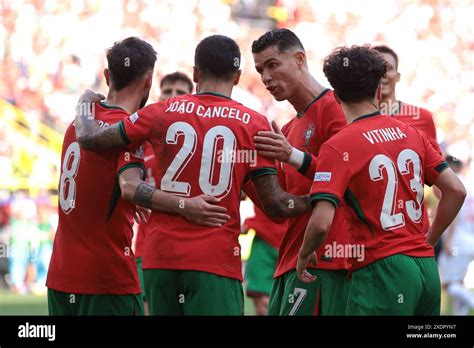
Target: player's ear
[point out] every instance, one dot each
(300, 58)
(237, 77)
(149, 79)
(378, 94)
(107, 76)
(195, 74)
(398, 77)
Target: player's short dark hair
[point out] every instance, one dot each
(128, 60)
(177, 76)
(388, 50)
(354, 72)
(217, 56)
(283, 38)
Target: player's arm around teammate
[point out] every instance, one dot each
(201, 210)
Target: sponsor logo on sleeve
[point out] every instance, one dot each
(322, 176)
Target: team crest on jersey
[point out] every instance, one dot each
(308, 134)
(134, 117)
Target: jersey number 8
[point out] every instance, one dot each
(68, 175)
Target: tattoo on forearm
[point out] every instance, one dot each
(93, 137)
(109, 137)
(143, 195)
(278, 202)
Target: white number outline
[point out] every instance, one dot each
(67, 176)
(301, 296)
(209, 153)
(388, 219)
(182, 158)
(406, 157)
(206, 173)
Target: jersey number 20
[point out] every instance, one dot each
(209, 153)
(388, 218)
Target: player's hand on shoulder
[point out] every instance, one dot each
(84, 105)
(90, 97)
(203, 210)
(273, 144)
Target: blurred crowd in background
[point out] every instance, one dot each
(50, 51)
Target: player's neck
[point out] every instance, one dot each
(389, 104)
(215, 87)
(353, 111)
(305, 93)
(389, 99)
(125, 99)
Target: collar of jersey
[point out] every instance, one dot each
(214, 94)
(372, 114)
(300, 114)
(107, 106)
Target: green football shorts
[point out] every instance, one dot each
(396, 285)
(260, 268)
(177, 292)
(140, 276)
(327, 295)
(62, 303)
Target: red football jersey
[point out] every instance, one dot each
(322, 119)
(150, 163)
(422, 120)
(92, 247)
(271, 232)
(419, 118)
(204, 143)
(379, 165)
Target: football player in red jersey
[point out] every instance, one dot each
(418, 117)
(280, 60)
(171, 85)
(379, 165)
(92, 269)
(204, 143)
(175, 84)
(415, 116)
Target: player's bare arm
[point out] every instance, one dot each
(278, 204)
(202, 210)
(315, 235)
(452, 198)
(89, 135)
(275, 145)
